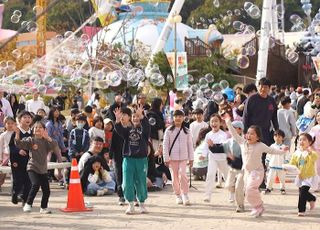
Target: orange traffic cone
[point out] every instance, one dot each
(75, 197)
(277, 181)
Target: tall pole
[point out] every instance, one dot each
(264, 40)
(282, 20)
(167, 29)
(175, 55)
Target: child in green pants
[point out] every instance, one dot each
(135, 133)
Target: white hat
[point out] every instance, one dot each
(107, 120)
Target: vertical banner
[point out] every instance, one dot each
(181, 80)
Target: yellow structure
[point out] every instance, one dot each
(41, 5)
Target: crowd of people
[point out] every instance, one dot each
(131, 148)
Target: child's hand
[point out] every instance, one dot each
(22, 152)
(286, 148)
(201, 158)
(117, 113)
(210, 143)
(230, 156)
(139, 111)
(226, 117)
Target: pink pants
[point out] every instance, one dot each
(253, 179)
(180, 182)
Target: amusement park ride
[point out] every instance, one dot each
(41, 32)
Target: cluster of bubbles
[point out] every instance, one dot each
(205, 90)
(298, 24)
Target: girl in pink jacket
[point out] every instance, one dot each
(177, 154)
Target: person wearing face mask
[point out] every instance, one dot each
(79, 140)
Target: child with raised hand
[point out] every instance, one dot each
(235, 182)
(213, 149)
(315, 133)
(5, 137)
(275, 163)
(178, 153)
(251, 150)
(39, 146)
(134, 151)
(305, 159)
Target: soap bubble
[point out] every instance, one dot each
(190, 78)
(16, 53)
(157, 79)
(15, 19)
(18, 13)
(209, 77)
(293, 57)
(208, 53)
(216, 87)
(187, 93)
(314, 77)
(152, 121)
(86, 68)
(251, 51)
(114, 78)
(203, 83)
(218, 97)
(216, 3)
(243, 61)
(224, 84)
(56, 84)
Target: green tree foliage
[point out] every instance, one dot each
(215, 65)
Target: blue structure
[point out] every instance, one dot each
(146, 25)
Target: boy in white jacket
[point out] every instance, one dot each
(275, 163)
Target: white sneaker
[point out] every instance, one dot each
(179, 199)
(143, 208)
(130, 209)
(186, 200)
(100, 192)
(206, 199)
(27, 208)
(45, 211)
(231, 197)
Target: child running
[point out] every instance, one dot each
(251, 150)
(39, 146)
(315, 133)
(178, 153)
(214, 151)
(305, 159)
(5, 137)
(276, 162)
(134, 151)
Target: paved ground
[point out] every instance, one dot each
(280, 213)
